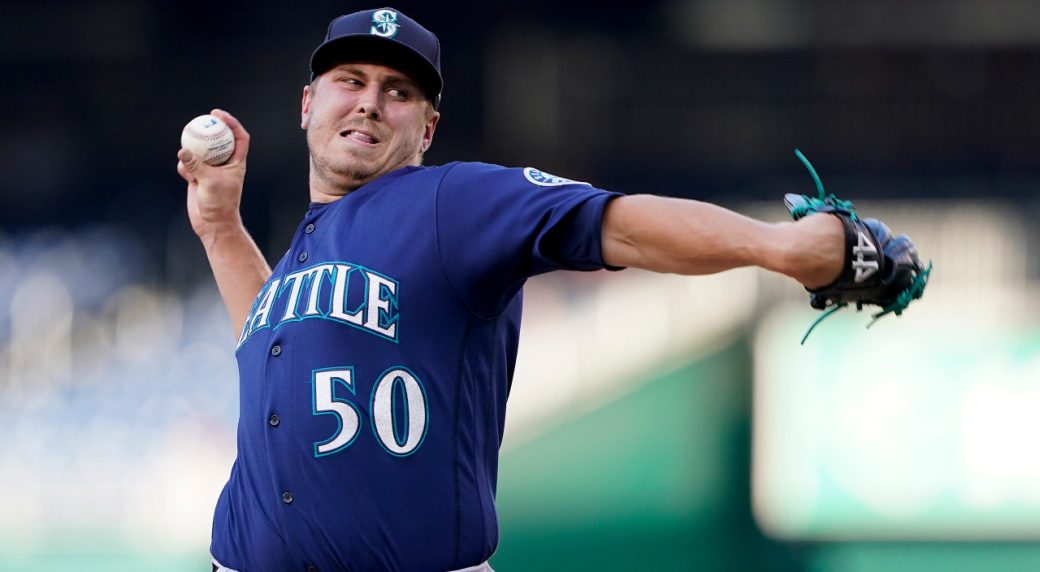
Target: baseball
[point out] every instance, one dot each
(209, 139)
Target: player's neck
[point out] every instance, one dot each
(326, 186)
(326, 194)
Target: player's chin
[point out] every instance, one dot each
(343, 169)
(355, 172)
(358, 158)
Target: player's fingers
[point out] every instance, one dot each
(241, 135)
(189, 160)
(182, 170)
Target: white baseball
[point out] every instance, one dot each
(209, 139)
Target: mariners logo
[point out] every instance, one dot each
(384, 23)
(543, 179)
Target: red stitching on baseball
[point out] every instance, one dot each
(191, 130)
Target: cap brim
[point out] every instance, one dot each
(375, 49)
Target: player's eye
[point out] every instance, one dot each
(398, 93)
(350, 81)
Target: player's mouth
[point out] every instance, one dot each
(359, 136)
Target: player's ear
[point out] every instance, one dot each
(305, 106)
(431, 125)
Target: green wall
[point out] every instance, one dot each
(656, 479)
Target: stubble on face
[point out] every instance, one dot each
(335, 173)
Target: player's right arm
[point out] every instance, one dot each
(214, 196)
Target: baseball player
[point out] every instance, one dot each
(376, 357)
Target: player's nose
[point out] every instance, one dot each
(370, 105)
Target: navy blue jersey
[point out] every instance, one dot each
(375, 366)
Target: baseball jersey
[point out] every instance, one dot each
(375, 365)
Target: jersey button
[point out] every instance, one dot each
(302, 257)
(274, 420)
(309, 229)
(287, 497)
(276, 351)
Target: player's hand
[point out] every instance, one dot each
(215, 192)
(818, 242)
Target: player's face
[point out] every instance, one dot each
(363, 121)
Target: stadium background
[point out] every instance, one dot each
(656, 422)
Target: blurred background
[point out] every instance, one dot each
(656, 422)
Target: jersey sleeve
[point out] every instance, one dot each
(499, 226)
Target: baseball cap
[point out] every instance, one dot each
(385, 36)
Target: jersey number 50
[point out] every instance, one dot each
(398, 407)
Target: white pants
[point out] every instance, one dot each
(478, 568)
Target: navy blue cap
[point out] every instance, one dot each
(384, 36)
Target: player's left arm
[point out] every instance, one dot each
(691, 237)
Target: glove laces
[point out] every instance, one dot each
(912, 292)
(821, 203)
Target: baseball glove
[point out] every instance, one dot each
(880, 269)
